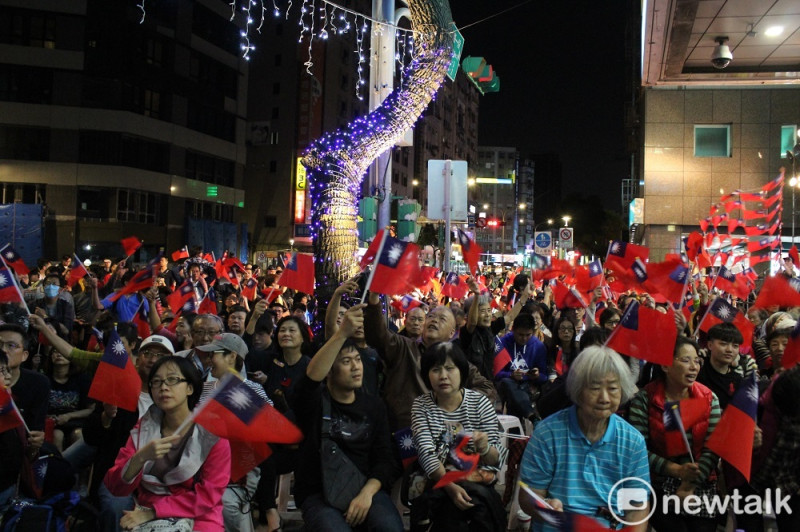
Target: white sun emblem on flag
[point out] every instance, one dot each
(681, 275)
(239, 399)
(10, 255)
(3, 279)
(41, 469)
(407, 442)
(497, 348)
(118, 348)
(615, 247)
(723, 312)
(395, 253)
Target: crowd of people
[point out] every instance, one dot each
(365, 377)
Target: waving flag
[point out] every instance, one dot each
(464, 463)
(678, 417)
(9, 293)
(249, 289)
(732, 440)
(372, 251)
(567, 521)
(502, 357)
(454, 286)
(470, 250)
(179, 296)
(10, 416)
(299, 273)
(77, 271)
(423, 280)
(143, 280)
(182, 253)
(116, 381)
(668, 278)
(622, 254)
(720, 311)
(566, 297)
(729, 282)
(779, 291)
(407, 303)
(13, 260)
(130, 245)
(646, 334)
(396, 266)
(589, 277)
(236, 412)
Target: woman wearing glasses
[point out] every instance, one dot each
(177, 478)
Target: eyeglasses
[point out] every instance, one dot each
(613, 322)
(566, 329)
(148, 355)
(169, 381)
(12, 346)
(206, 332)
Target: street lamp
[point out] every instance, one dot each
(548, 222)
(566, 220)
(415, 182)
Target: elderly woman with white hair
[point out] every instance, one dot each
(576, 456)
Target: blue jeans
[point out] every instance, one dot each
(111, 508)
(382, 515)
(80, 455)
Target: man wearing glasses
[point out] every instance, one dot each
(204, 329)
(30, 390)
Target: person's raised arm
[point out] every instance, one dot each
(332, 314)
(92, 283)
(474, 308)
(152, 312)
(322, 362)
(58, 343)
(258, 310)
(514, 312)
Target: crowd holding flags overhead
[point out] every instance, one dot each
(13, 260)
(130, 245)
(299, 273)
(646, 334)
(77, 271)
(732, 439)
(116, 381)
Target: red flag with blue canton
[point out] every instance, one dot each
(236, 412)
(299, 273)
(77, 271)
(143, 280)
(8, 288)
(779, 291)
(9, 414)
(470, 250)
(729, 282)
(791, 355)
(454, 286)
(668, 278)
(396, 267)
(405, 443)
(13, 260)
(406, 303)
(680, 416)
(563, 521)
(130, 245)
(732, 439)
(646, 334)
(721, 311)
(566, 297)
(249, 289)
(182, 253)
(622, 254)
(464, 463)
(589, 277)
(116, 381)
(179, 296)
(502, 357)
(372, 251)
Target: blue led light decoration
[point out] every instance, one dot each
(337, 162)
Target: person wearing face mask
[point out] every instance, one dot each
(52, 306)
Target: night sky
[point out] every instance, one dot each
(561, 67)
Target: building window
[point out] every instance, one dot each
(136, 206)
(273, 137)
(788, 139)
(712, 140)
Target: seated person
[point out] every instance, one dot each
(179, 476)
(526, 370)
(358, 426)
(52, 306)
(437, 417)
(12, 447)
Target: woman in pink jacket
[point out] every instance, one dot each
(177, 478)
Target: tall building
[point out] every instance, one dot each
(713, 127)
(495, 197)
(120, 128)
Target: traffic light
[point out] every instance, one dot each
(492, 222)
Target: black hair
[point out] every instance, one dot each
(299, 306)
(237, 308)
(437, 354)
(725, 332)
(265, 324)
(303, 326)
(593, 336)
(189, 372)
(785, 392)
(608, 313)
(524, 322)
(19, 329)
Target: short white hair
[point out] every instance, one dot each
(595, 363)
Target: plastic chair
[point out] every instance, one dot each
(284, 491)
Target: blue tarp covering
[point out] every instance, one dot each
(21, 226)
(216, 236)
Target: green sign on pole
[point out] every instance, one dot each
(458, 47)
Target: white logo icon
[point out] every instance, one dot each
(630, 494)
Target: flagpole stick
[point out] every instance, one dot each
(372, 272)
(16, 409)
(13, 275)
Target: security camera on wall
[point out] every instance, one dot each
(722, 55)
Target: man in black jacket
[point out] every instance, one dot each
(358, 426)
